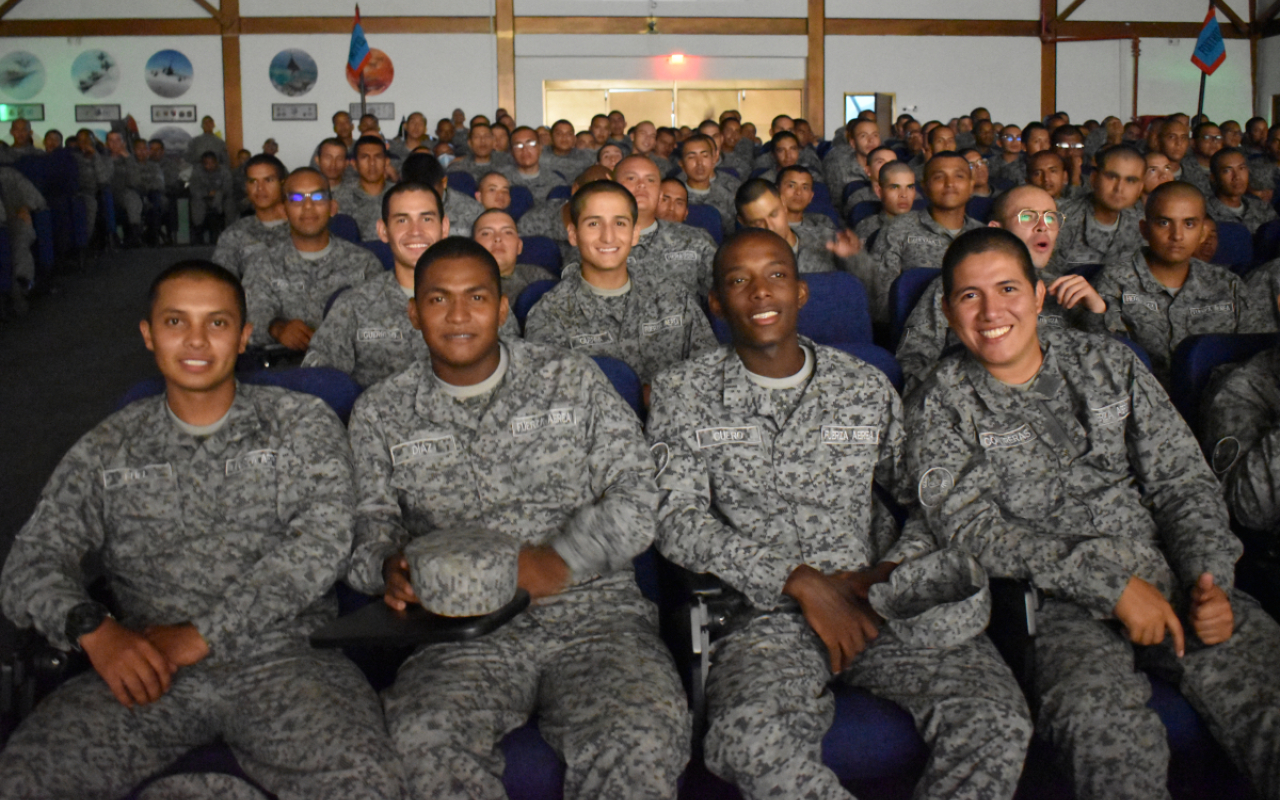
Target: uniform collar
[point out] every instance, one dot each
(242, 422)
(998, 396)
(1142, 271)
(432, 403)
(738, 388)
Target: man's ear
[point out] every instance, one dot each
(504, 310)
(635, 234)
(802, 293)
(145, 327)
(245, 332)
(713, 303)
(572, 231)
(875, 187)
(414, 319)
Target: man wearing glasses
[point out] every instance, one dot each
(1031, 214)
(1102, 227)
(1068, 142)
(288, 285)
(981, 170)
(1205, 141)
(527, 153)
(1010, 164)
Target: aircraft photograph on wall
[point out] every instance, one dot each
(169, 73)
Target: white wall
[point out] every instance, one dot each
(1149, 10)
(661, 8)
(936, 77)
(936, 9)
(108, 9)
(60, 96)
(1268, 76)
(434, 73)
(368, 8)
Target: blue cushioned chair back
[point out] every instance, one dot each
(850, 188)
(560, 193)
(758, 171)
(1266, 242)
(862, 210)
(1235, 247)
(531, 295)
(707, 218)
(1089, 271)
(1136, 348)
(730, 171)
(904, 293)
(837, 311)
(383, 251)
(344, 227)
(333, 386)
(107, 208)
(816, 207)
(877, 357)
(462, 182)
(542, 251)
(521, 201)
(624, 380)
(821, 194)
(822, 149)
(1196, 358)
(979, 208)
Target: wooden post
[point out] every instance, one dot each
(1048, 57)
(232, 98)
(504, 27)
(815, 94)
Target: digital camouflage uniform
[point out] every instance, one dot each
(1077, 483)
(243, 534)
(1213, 300)
(869, 225)
(247, 237)
(1081, 240)
(912, 239)
(94, 172)
(280, 284)
(811, 251)
(671, 252)
(539, 184)
(364, 208)
(1262, 286)
(1014, 172)
(666, 165)
(840, 168)
(1253, 214)
(210, 193)
(521, 277)
(1196, 175)
(651, 327)
(18, 193)
(462, 211)
(1241, 436)
(757, 481)
(927, 335)
(570, 166)
(551, 456)
(469, 165)
(719, 196)
(367, 333)
(808, 159)
(816, 223)
(126, 185)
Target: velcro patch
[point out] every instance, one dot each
(1113, 413)
(115, 478)
(379, 335)
(856, 434)
(1132, 298)
(422, 448)
(1217, 308)
(591, 339)
(1018, 436)
(675, 321)
(524, 426)
(682, 255)
(254, 459)
(713, 437)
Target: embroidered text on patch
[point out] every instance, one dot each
(1133, 298)
(115, 478)
(255, 459)
(591, 339)
(1113, 413)
(379, 335)
(664, 324)
(682, 255)
(856, 434)
(1013, 438)
(1216, 308)
(523, 426)
(422, 448)
(713, 437)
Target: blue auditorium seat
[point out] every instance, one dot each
(560, 193)
(461, 182)
(1266, 242)
(707, 218)
(862, 210)
(531, 295)
(850, 188)
(905, 291)
(382, 250)
(837, 311)
(1235, 247)
(1195, 359)
(979, 208)
(344, 227)
(521, 201)
(543, 252)
(624, 380)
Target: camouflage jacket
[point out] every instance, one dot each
(1082, 241)
(1253, 214)
(367, 333)
(364, 208)
(720, 197)
(245, 238)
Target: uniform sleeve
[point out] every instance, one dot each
(690, 533)
(264, 304)
(1109, 291)
(1178, 487)
(372, 266)
(1255, 314)
(1244, 443)
(379, 528)
(225, 253)
(317, 496)
(923, 340)
(701, 337)
(602, 537)
(334, 342)
(42, 579)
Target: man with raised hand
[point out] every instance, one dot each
(1055, 457)
(268, 226)
(221, 516)
(768, 450)
(760, 205)
(362, 199)
(499, 437)
(1102, 226)
(1231, 201)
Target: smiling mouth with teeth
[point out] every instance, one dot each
(765, 315)
(996, 333)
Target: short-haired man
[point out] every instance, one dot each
(769, 450)
(1029, 213)
(844, 165)
(759, 205)
(599, 130)
(481, 157)
(125, 185)
(1048, 170)
(497, 436)
(564, 156)
(673, 201)
(644, 141)
(1173, 139)
(601, 308)
(939, 139)
(494, 191)
(895, 191)
(94, 171)
(618, 132)
(221, 516)
(496, 232)
(344, 129)
(207, 142)
(211, 203)
(23, 139)
(528, 172)
(151, 185)
(551, 218)
(1161, 294)
(981, 170)
(876, 160)
(786, 153)
(1159, 169)
(266, 227)
(795, 185)
(461, 209)
(1055, 457)
(1206, 140)
(362, 199)
(735, 151)
(1231, 201)
(1009, 166)
(333, 161)
(1068, 142)
(367, 333)
(698, 158)
(289, 284)
(1102, 226)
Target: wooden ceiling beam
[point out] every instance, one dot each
(933, 27)
(7, 6)
(213, 12)
(693, 26)
(1071, 9)
(1145, 30)
(66, 28)
(252, 25)
(1239, 24)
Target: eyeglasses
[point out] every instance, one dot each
(315, 197)
(1070, 145)
(982, 162)
(1008, 137)
(1030, 217)
(524, 145)
(1208, 137)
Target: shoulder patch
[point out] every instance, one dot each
(713, 437)
(1226, 307)
(1018, 436)
(532, 423)
(1225, 453)
(115, 478)
(854, 434)
(1113, 413)
(682, 255)
(422, 448)
(935, 483)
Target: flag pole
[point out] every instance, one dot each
(363, 111)
(1200, 107)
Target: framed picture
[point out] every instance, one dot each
(33, 112)
(293, 112)
(173, 114)
(379, 110)
(104, 113)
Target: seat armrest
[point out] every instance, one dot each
(1014, 603)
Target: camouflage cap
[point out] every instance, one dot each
(463, 573)
(938, 600)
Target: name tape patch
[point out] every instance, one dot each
(523, 426)
(1226, 307)
(422, 448)
(379, 335)
(675, 321)
(713, 437)
(1113, 413)
(1018, 436)
(115, 478)
(683, 255)
(856, 434)
(1132, 298)
(590, 339)
(255, 459)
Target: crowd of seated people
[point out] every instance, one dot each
(1032, 286)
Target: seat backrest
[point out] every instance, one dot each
(344, 227)
(560, 193)
(1235, 247)
(38, 170)
(531, 294)
(730, 171)
(462, 182)
(1089, 271)
(521, 201)
(904, 293)
(862, 210)
(877, 357)
(624, 380)
(979, 208)
(543, 252)
(837, 311)
(850, 188)
(1198, 356)
(1266, 242)
(821, 193)
(383, 251)
(333, 386)
(758, 171)
(707, 218)
(822, 148)
(824, 207)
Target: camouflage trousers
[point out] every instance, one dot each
(1093, 708)
(606, 694)
(769, 707)
(128, 207)
(22, 235)
(304, 725)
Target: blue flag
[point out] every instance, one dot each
(1211, 51)
(358, 54)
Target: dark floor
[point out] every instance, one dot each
(64, 365)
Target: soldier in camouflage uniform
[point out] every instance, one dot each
(844, 165)
(151, 185)
(267, 227)
(362, 199)
(705, 185)
(532, 442)
(289, 284)
(19, 199)
(1070, 302)
(785, 153)
(222, 514)
(480, 157)
(1161, 294)
(1206, 140)
(496, 231)
(1010, 166)
(1230, 200)
(564, 156)
(551, 217)
(125, 186)
(1102, 226)
(1173, 139)
(367, 333)
(599, 308)
(210, 189)
(759, 205)
(876, 160)
(767, 452)
(894, 190)
(94, 171)
(529, 172)
(795, 186)
(1055, 457)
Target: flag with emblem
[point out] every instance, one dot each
(358, 53)
(1210, 50)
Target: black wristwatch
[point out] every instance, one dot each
(84, 618)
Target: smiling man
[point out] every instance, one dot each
(532, 442)
(1055, 457)
(1102, 226)
(770, 447)
(268, 226)
(221, 513)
